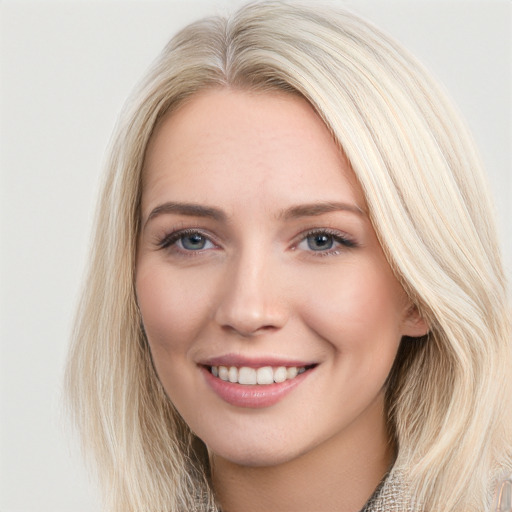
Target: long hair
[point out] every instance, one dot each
(446, 396)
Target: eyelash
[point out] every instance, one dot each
(169, 240)
(341, 239)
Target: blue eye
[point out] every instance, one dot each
(186, 241)
(193, 242)
(324, 242)
(320, 241)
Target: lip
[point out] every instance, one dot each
(252, 396)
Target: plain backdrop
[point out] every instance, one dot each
(66, 68)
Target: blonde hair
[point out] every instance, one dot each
(447, 393)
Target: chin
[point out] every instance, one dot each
(255, 459)
(261, 453)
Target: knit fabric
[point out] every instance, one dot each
(391, 496)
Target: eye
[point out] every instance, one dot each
(193, 242)
(186, 241)
(325, 242)
(320, 241)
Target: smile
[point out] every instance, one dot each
(254, 386)
(265, 375)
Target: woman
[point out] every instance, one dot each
(295, 299)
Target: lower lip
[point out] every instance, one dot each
(256, 396)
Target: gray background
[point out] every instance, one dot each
(66, 68)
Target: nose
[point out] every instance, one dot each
(251, 300)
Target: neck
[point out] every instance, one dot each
(338, 475)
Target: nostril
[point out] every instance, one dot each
(248, 331)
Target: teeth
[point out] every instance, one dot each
(265, 375)
(291, 372)
(245, 375)
(233, 374)
(252, 376)
(223, 372)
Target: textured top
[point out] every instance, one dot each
(391, 496)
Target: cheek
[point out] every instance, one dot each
(359, 311)
(173, 310)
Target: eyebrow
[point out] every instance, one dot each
(315, 209)
(294, 212)
(188, 209)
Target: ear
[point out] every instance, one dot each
(414, 324)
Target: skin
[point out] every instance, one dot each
(259, 287)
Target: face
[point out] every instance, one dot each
(272, 315)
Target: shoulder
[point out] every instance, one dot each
(392, 495)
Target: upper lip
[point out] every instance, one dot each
(253, 362)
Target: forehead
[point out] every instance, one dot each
(225, 140)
